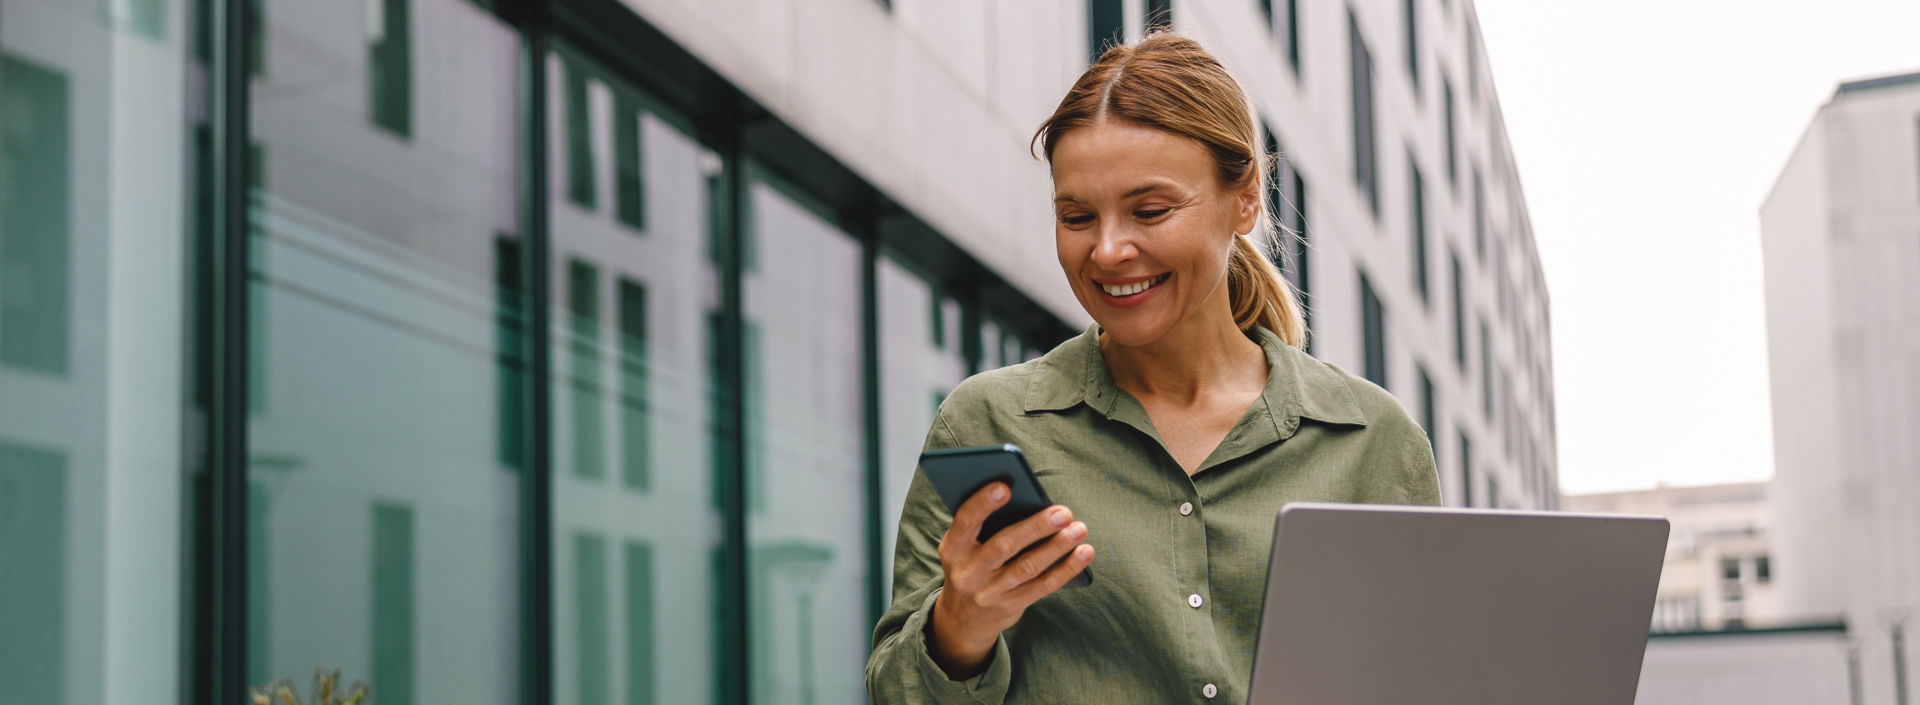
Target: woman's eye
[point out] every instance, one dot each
(1076, 219)
(1150, 214)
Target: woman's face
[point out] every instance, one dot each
(1143, 227)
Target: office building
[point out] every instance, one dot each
(577, 351)
(1843, 329)
(1718, 572)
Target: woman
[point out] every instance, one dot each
(1171, 432)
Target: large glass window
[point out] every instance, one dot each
(806, 485)
(1106, 26)
(637, 452)
(918, 367)
(384, 507)
(1459, 310)
(1417, 225)
(97, 124)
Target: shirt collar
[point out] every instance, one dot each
(1298, 386)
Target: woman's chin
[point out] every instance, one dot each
(1131, 331)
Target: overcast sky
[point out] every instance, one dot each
(1647, 134)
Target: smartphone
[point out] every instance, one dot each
(958, 473)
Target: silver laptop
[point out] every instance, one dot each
(1385, 605)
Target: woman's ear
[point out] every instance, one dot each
(1247, 217)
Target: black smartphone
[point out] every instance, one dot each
(957, 473)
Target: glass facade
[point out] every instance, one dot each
(451, 345)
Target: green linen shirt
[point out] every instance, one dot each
(1316, 434)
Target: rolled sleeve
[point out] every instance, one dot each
(902, 672)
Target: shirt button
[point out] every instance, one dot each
(1186, 508)
(1194, 600)
(1209, 691)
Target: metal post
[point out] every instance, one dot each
(536, 506)
(227, 403)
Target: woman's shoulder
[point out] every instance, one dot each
(1327, 385)
(999, 389)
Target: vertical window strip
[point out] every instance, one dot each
(592, 640)
(393, 611)
(1364, 160)
(635, 419)
(579, 130)
(1417, 218)
(629, 172)
(35, 207)
(1459, 312)
(641, 674)
(1373, 327)
(390, 65)
(1105, 27)
(583, 307)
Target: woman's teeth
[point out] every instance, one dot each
(1134, 288)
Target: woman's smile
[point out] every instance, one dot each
(1130, 291)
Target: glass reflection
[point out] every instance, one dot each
(386, 336)
(636, 522)
(919, 364)
(96, 119)
(807, 568)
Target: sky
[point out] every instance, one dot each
(1647, 134)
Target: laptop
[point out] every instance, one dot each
(1388, 605)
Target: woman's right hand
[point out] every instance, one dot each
(989, 585)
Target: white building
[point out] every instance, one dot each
(1843, 328)
(1718, 572)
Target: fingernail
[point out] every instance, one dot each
(1059, 517)
(1084, 553)
(1077, 531)
(999, 493)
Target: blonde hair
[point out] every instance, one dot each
(1168, 82)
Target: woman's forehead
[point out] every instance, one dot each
(1114, 157)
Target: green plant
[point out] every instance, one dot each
(281, 692)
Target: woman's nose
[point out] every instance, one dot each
(1114, 245)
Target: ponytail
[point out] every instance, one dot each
(1259, 296)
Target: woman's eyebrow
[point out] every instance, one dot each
(1138, 190)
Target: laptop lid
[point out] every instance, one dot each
(1389, 605)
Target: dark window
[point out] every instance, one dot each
(1494, 500)
(390, 65)
(1730, 568)
(1486, 369)
(642, 676)
(35, 237)
(1417, 220)
(393, 613)
(1466, 470)
(1365, 164)
(1763, 569)
(510, 355)
(629, 175)
(1479, 216)
(1459, 311)
(593, 639)
(634, 424)
(1473, 64)
(1427, 406)
(579, 128)
(1105, 27)
(34, 555)
(1453, 151)
(1373, 332)
(1292, 34)
(1294, 256)
(1410, 12)
(1159, 14)
(583, 305)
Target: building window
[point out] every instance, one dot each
(1730, 569)
(1473, 63)
(1486, 369)
(1417, 222)
(1410, 13)
(1291, 30)
(1763, 569)
(1466, 470)
(390, 65)
(1459, 311)
(629, 174)
(1451, 136)
(1105, 27)
(35, 208)
(1427, 406)
(1373, 332)
(583, 326)
(635, 434)
(1365, 164)
(579, 130)
(1479, 215)
(1292, 252)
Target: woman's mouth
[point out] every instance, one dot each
(1122, 291)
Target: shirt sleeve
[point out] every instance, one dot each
(900, 671)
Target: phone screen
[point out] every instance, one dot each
(958, 473)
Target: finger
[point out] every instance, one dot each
(1033, 563)
(1010, 541)
(965, 529)
(1052, 580)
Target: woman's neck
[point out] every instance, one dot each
(1195, 359)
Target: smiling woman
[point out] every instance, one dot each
(1171, 432)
